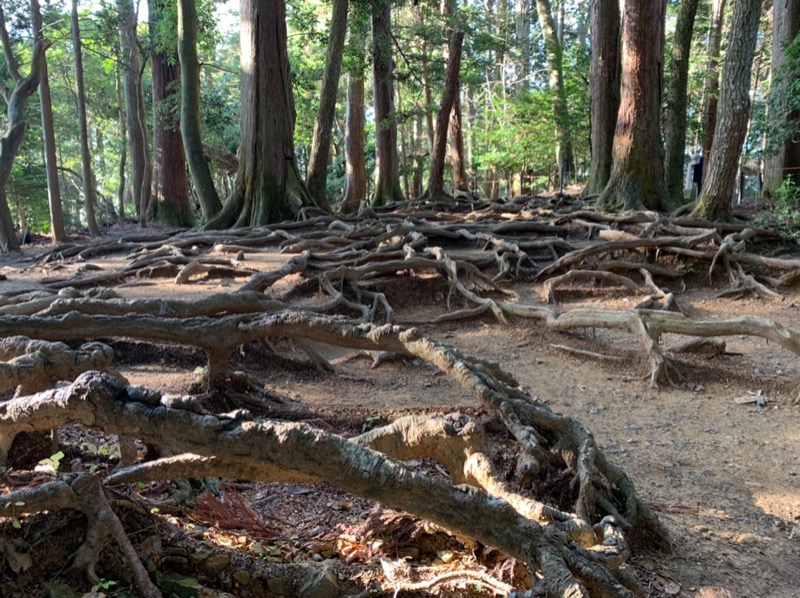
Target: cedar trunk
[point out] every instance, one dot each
(604, 74)
(57, 232)
(637, 175)
(326, 111)
(675, 115)
(714, 202)
(784, 159)
(710, 97)
(355, 182)
(387, 184)
(170, 203)
(210, 203)
(269, 187)
(89, 194)
(457, 153)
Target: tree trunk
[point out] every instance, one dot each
(604, 74)
(16, 99)
(675, 115)
(89, 194)
(135, 109)
(436, 179)
(123, 154)
(269, 187)
(523, 31)
(714, 202)
(326, 111)
(710, 97)
(210, 203)
(637, 174)
(355, 182)
(170, 203)
(784, 157)
(57, 232)
(457, 153)
(387, 184)
(554, 52)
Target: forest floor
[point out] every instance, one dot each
(722, 472)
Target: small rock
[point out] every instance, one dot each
(176, 561)
(747, 539)
(634, 427)
(594, 410)
(700, 528)
(216, 564)
(410, 552)
(242, 578)
(319, 583)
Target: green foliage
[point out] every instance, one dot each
(784, 214)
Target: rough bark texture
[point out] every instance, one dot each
(554, 52)
(785, 161)
(387, 183)
(355, 182)
(16, 98)
(458, 158)
(451, 88)
(138, 144)
(326, 111)
(522, 22)
(123, 131)
(604, 74)
(269, 187)
(57, 232)
(210, 204)
(675, 115)
(714, 202)
(89, 193)
(637, 175)
(170, 202)
(710, 97)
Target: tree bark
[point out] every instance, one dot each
(458, 158)
(170, 202)
(210, 203)
(523, 31)
(714, 202)
(637, 174)
(604, 78)
(554, 52)
(123, 131)
(784, 158)
(387, 184)
(57, 232)
(269, 187)
(89, 194)
(675, 115)
(16, 99)
(326, 111)
(710, 96)
(355, 182)
(138, 145)
(451, 87)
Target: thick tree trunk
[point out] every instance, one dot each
(458, 158)
(16, 99)
(89, 194)
(523, 30)
(123, 154)
(637, 175)
(138, 144)
(451, 87)
(210, 203)
(714, 202)
(269, 187)
(675, 115)
(326, 111)
(784, 158)
(604, 74)
(57, 232)
(554, 52)
(355, 182)
(170, 202)
(387, 184)
(710, 97)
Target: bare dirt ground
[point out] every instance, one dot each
(724, 475)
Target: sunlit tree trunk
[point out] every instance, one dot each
(387, 184)
(675, 113)
(89, 194)
(710, 97)
(207, 196)
(355, 181)
(138, 145)
(714, 202)
(269, 187)
(16, 99)
(637, 174)
(604, 74)
(783, 159)
(326, 111)
(554, 52)
(170, 202)
(458, 158)
(57, 232)
(123, 154)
